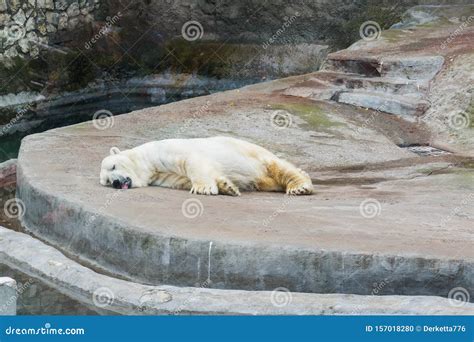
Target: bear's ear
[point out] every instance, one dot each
(114, 150)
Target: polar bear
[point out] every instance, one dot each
(207, 166)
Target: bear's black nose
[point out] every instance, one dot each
(116, 184)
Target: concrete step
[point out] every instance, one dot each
(411, 68)
(389, 103)
(361, 66)
(324, 85)
(378, 84)
(314, 89)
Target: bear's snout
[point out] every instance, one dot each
(125, 183)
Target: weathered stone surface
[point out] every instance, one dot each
(48, 4)
(20, 17)
(371, 72)
(108, 294)
(73, 10)
(8, 173)
(3, 5)
(52, 18)
(395, 104)
(41, 17)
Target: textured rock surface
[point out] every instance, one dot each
(423, 70)
(8, 173)
(26, 27)
(110, 295)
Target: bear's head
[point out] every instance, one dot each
(118, 170)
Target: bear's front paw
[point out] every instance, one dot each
(204, 189)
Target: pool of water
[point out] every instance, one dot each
(71, 108)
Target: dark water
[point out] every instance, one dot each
(9, 147)
(77, 112)
(64, 112)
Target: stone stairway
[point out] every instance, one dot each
(395, 85)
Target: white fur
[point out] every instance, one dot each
(201, 165)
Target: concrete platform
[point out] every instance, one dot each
(381, 214)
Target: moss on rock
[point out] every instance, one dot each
(312, 114)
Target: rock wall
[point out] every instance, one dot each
(27, 26)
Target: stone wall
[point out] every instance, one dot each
(27, 26)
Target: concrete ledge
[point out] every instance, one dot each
(124, 297)
(7, 296)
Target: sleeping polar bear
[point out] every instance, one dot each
(207, 166)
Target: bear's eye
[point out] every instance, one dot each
(113, 168)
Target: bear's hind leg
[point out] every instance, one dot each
(292, 180)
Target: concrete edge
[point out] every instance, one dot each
(124, 297)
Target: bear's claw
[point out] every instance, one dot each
(304, 189)
(203, 189)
